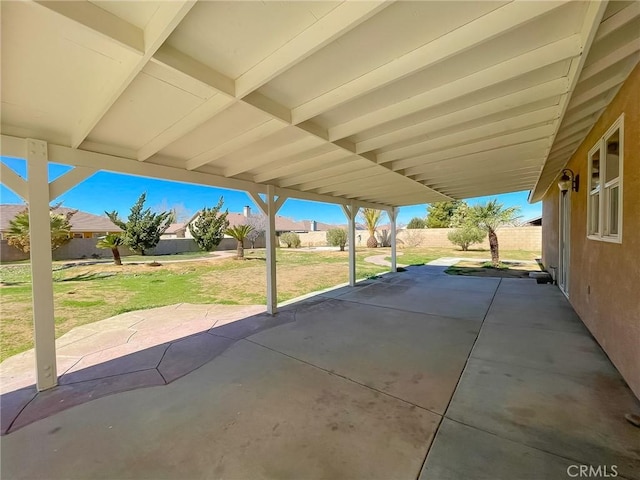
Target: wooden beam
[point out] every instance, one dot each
(14, 182)
(286, 150)
(501, 73)
(334, 24)
(475, 112)
(498, 22)
(360, 176)
(522, 137)
(166, 18)
(618, 55)
(590, 25)
(614, 22)
(598, 90)
(473, 135)
(100, 21)
(69, 180)
(246, 138)
(535, 149)
(323, 172)
(336, 157)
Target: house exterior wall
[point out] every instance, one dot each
(604, 282)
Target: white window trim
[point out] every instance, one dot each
(603, 207)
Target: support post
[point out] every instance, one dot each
(41, 275)
(270, 208)
(393, 215)
(351, 211)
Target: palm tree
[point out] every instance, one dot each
(371, 218)
(111, 242)
(239, 232)
(490, 217)
(18, 233)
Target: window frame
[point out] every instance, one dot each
(604, 188)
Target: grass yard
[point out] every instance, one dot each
(86, 293)
(419, 255)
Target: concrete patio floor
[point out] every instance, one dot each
(414, 375)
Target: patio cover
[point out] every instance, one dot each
(366, 104)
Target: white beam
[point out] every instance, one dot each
(360, 176)
(69, 180)
(592, 108)
(490, 190)
(14, 182)
(41, 264)
(470, 35)
(487, 170)
(100, 21)
(326, 159)
(334, 24)
(166, 18)
(592, 19)
(259, 132)
(497, 179)
(522, 137)
(464, 137)
(111, 163)
(535, 149)
(501, 104)
(321, 173)
(260, 203)
(614, 22)
(618, 55)
(571, 129)
(552, 53)
(13, 147)
(599, 89)
(288, 149)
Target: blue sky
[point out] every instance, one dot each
(111, 191)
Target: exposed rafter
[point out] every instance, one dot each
(554, 52)
(491, 25)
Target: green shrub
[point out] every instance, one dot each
(416, 222)
(290, 239)
(465, 236)
(337, 237)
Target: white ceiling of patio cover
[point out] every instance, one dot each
(393, 103)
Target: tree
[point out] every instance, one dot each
(466, 235)
(490, 217)
(180, 212)
(239, 232)
(209, 227)
(259, 224)
(371, 217)
(111, 242)
(416, 222)
(18, 233)
(290, 239)
(143, 228)
(439, 214)
(337, 237)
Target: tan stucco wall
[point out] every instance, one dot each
(604, 286)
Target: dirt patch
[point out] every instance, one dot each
(485, 269)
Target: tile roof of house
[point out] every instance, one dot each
(80, 221)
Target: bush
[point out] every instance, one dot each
(290, 239)
(337, 237)
(465, 236)
(416, 222)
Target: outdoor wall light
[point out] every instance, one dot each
(569, 180)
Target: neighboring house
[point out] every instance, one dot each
(591, 237)
(283, 224)
(533, 222)
(83, 224)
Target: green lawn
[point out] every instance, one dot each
(414, 256)
(85, 293)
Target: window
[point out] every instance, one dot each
(604, 205)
